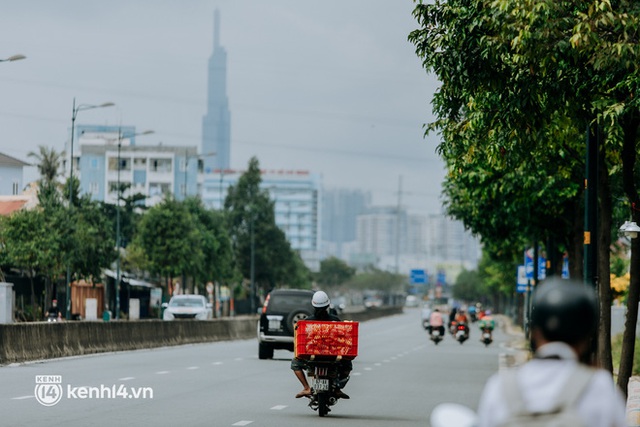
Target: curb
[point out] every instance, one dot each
(517, 346)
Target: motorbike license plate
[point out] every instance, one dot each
(487, 335)
(436, 333)
(321, 384)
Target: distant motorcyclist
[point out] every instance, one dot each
(436, 321)
(462, 319)
(487, 321)
(320, 301)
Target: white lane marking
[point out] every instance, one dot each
(217, 363)
(279, 407)
(238, 359)
(126, 378)
(193, 368)
(22, 397)
(378, 364)
(368, 369)
(162, 372)
(355, 374)
(386, 361)
(242, 423)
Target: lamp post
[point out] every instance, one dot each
(13, 58)
(74, 114)
(118, 197)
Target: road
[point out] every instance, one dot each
(398, 377)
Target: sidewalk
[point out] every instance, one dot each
(517, 347)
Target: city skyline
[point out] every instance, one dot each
(332, 88)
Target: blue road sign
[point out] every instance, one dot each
(418, 277)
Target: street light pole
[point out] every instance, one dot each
(118, 195)
(118, 237)
(74, 114)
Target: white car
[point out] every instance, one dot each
(187, 307)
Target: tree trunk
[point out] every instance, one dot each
(575, 249)
(629, 151)
(34, 310)
(603, 278)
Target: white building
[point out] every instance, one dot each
(151, 170)
(297, 196)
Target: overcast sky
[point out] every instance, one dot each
(330, 86)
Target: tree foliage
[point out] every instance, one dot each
(256, 238)
(334, 272)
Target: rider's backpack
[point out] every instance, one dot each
(563, 414)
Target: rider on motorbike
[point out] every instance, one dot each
(487, 321)
(436, 321)
(320, 301)
(462, 319)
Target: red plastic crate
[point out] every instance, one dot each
(322, 338)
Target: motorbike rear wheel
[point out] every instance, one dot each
(323, 404)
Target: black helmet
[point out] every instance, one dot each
(564, 310)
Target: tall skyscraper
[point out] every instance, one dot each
(216, 124)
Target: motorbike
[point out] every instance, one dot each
(52, 317)
(325, 382)
(453, 327)
(435, 335)
(486, 336)
(462, 333)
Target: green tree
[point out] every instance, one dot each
(256, 238)
(469, 287)
(168, 236)
(522, 80)
(28, 245)
(218, 263)
(49, 165)
(93, 241)
(334, 272)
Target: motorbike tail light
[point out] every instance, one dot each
(461, 327)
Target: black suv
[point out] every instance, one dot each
(281, 310)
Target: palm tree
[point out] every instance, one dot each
(49, 164)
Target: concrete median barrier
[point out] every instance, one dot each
(22, 342)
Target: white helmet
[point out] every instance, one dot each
(320, 299)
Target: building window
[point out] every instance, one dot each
(158, 189)
(94, 188)
(160, 165)
(140, 163)
(125, 164)
(16, 187)
(94, 163)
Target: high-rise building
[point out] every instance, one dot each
(340, 208)
(296, 195)
(216, 124)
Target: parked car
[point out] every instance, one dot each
(411, 301)
(281, 311)
(187, 307)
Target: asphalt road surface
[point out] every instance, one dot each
(398, 378)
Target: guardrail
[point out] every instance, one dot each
(21, 342)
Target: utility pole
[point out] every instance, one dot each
(397, 250)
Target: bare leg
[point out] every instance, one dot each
(303, 380)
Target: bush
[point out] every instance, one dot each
(616, 350)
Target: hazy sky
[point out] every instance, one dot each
(330, 86)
